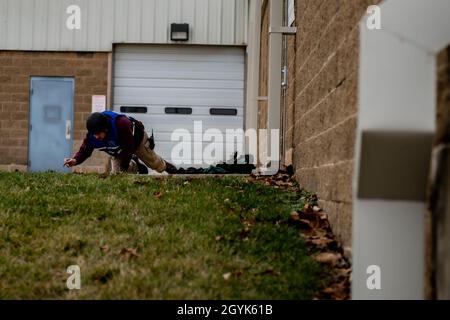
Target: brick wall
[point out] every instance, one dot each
(90, 71)
(438, 218)
(443, 97)
(321, 112)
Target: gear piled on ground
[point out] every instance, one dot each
(223, 168)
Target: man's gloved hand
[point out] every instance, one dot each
(70, 162)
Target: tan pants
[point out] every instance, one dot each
(146, 155)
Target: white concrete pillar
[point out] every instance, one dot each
(396, 120)
(274, 80)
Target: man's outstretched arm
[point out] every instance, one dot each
(126, 141)
(83, 153)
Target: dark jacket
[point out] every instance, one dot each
(127, 141)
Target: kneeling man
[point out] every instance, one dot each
(121, 137)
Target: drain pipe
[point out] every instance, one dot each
(276, 31)
(284, 85)
(253, 52)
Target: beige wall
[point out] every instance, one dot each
(320, 116)
(90, 71)
(443, 97)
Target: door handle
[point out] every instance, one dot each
(68, 129)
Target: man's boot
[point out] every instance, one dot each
(170, 168)
(142, 168)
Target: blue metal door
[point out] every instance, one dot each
(51, 118)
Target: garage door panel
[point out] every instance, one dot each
(188, 49)
(188, 120)
(153, 111)
(176, 58)
(216, 94)
(174, 101)
(162, 135)
(170, 127)
(190, 53)
(230, 146)
(196, 77)
(182, 92)
(163, 65)
(166, 127)
(166, 136)
(176, 83)
(179, 74)
(189, 74)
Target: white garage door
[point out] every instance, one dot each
(170, 87)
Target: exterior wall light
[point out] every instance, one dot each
(179, 32)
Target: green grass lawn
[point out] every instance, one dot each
(137, 237)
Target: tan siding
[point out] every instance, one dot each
(41, 24)
(90, 71)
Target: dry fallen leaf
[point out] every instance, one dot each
(337, 291)
(157, 194)
(270, 271)
(294, 216)
(318, 234)
(248, 222)
(244, 233)
(328, 258)
(129, 253)
(105, 248)
(141, 182)
(343, 273)
(322, 243)
(237, 273)
(305, 224)
(227, 275)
